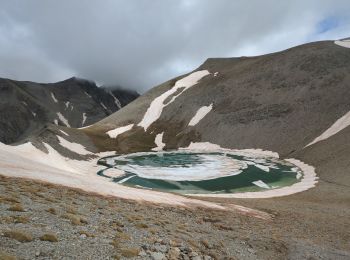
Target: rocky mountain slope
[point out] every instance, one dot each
(279, 102)
(25, 107)
(293, 102)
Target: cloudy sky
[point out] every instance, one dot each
(141, 43)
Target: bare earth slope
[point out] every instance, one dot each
(278, 102)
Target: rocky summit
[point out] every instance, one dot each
(26, 107)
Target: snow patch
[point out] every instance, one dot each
(215, 74)
(67, 104)
(339, 125)
(115, 132)
(156, 107)
(84, 119)
(159, 142)
(116, 101)
(54, 98)
(343, 43)
(201, 113)
(74, 147)
(63, 132)
(87, 94)
(63, 119)
(207, 146)
(103, 105)
(55, 121)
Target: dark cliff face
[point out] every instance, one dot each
(25, 107)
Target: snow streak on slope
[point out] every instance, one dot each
(159, 142)
(63, 119)
(202, 112)
(343, 43)
(339, 125)
(115, 132)
(54, 98)
(84, 119)
(116, 101)
(103, 105)
(156, 107)
(63, 132)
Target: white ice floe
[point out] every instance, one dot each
(262, 167)
(343, 43)
(159, 142)
(63, 119)
(116, 101)
(261, 184)
(210, 167)
(63, 132)
(308, 181)
(103, 105)
(74, 147)
(339, 125)
(115, 132)
(124, 180)
(84, 119)
(201, 113)
(156, 107)
(54, 98)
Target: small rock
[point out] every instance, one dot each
(37, 253)
(142, 253)
(185, 257)
(197, 257)
(161, 248)
(157, 256)
(206, 257)
(82, 236)
(174, 253)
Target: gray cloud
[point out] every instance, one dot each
(140, 43)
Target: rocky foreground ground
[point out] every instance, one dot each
(44, 221)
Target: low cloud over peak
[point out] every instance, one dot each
(139, 44)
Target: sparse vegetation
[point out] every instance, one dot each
(19, 235)
(6, 256)
(49, 237)
(130, 252)
(52, 211)
(16, 207)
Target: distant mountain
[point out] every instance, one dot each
(25, 107)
